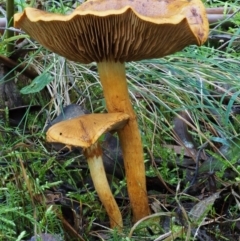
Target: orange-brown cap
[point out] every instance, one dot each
(83, 131)
(113, 30)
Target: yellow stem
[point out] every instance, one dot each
(113, 80)
(97, 171)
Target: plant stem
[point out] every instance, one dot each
(9, 33)
(219, 10)
(113, 79)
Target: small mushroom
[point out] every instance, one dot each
(111, 33)
(84, 131)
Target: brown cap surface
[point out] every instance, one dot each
(113, 30)
(85, 130)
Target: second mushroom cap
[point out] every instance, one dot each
(83, 131)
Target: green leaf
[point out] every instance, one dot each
(37, 84)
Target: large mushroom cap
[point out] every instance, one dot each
(114, 30)
(83, 131)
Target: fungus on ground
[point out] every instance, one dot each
(84, 131)
(111, 33)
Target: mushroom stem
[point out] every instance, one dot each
(113, 80)
(97, 171)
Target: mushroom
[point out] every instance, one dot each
(111, 33)
(84, 131)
